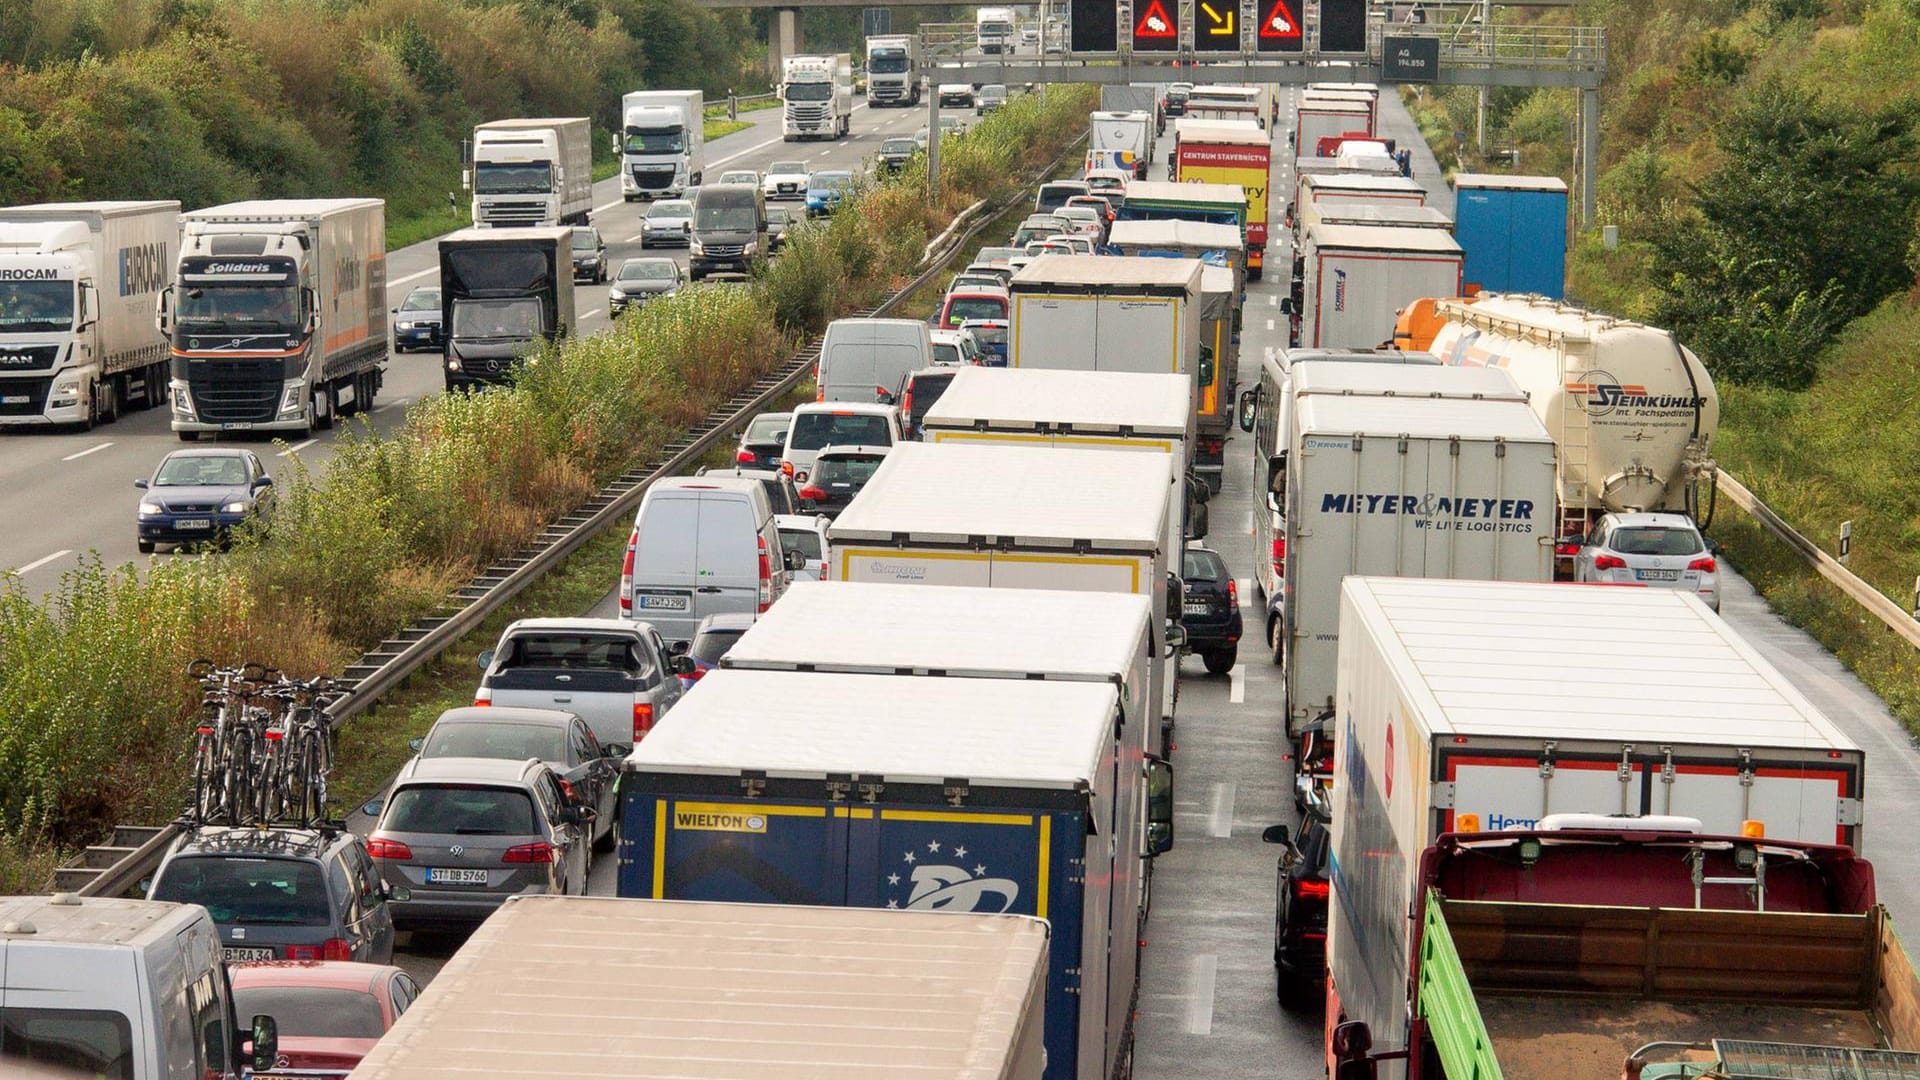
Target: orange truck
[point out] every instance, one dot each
(1229, 152)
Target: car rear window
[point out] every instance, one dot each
(710, 645)
(584, 652)
(238, 889)
(1654, 540)
(813, 430)
(945, 353)
(962, 308)
(804, 541)
(1202, 566)
(770, 428)
(313, 1012)
(462, 809)
(503, 742)
(847, 470)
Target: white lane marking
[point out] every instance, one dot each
(634, 239)
(1245, 584)
(297, 447)
(591, 314)
(1236, 688)
(391, 405)
(604, 207)
(38, 563)
(397, 282)
(1273, 300)
(1221, 823)
(1201, 973)
(88, 450)
(1269, 324)
(743, 153)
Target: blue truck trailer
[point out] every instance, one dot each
(1513, 233)
(904, 792)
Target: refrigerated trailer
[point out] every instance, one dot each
(661, 143)
(1355, 279)
(78, 283)
(993, 796)
(533, 171)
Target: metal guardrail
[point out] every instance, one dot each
(135, 852)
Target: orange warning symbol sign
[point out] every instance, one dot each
(1156, 23)
(1280, 23)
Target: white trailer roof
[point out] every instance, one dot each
(1385, 213)
(1543, 661)
(1033, 496)
(563, 233)
(1509, 183)
(1400, 238)
(902, 728)
(1338, 179)
(525, 123)
(1230, 132)
(883, 628)
(1163, 191)
(1422, 417)
(110, 208)
(723, 990)
(1106, 271)
(1095, 402)
(1311, 376)
(1175, 232)
(278, 209)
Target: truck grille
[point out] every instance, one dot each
(24, 397)
(724, 251)
(886, 92)
(808, 113)
(513, 213)
(28, 358)
(234, 401)
(653, 179)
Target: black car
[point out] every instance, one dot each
(1300, 912)
(764, 440)
(1211, 609)
(918, 393)
(779, 220)
(895, 153)
(416, 322)
(589, 256)
(838, 475)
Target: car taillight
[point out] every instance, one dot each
(1609, 562)
(1233, 593)
(642, 719)
(766, 576)
(482, 697)
(626, 574)
(1310, 890)
(1279, 556)
(746, 457)
(1706, 564)
(388, 849)
(529, 853)
(814, 493)
(330, 949)
(906, 401)
(1567, 548)
(566, 788)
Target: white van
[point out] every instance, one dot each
(819, 425)
(701, 545)
(861, 357)
(124, 988)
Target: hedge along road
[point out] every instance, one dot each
(64, 493)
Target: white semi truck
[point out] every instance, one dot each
(1354, 279)
(818, 96)
(277, 310)
(993, 29)
(661, 143)
(77, 287)
(893, 70)
(533, 171)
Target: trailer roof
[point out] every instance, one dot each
(1162, 192)
(1387, 213)
(726, 990)
(883, 628)
(1031, 496)
(1343, 377)
(1338, 179)
(523, 123)
(1174, 232)
(1400, 238)
(277, 209)
(1167, 275)
(1422, 417)
(472, 235)
(900, 728)
(1580, 661)
(1234, 132)
(1097, 402)
(1509, 183)
(58, 210)
(1335, 101)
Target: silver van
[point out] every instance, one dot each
(701, 545)
(863, 356)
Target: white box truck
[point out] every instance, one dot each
(1022, 518)
(78, 283)
(1120, 140)
(893, 70)
(1100, 313)
(124, 988)
(1399, 470)
(1322, 116)
(278, 308)
(1322, 189)
(728, 990)
(993, 30)
(1355, 279)
(818, 96)
(533, 171)
(661, 143)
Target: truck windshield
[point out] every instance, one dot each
(211, 309)
(78, 1042)
(887, 61)
(656, 141)
(811, 91)
(516, 318)
(256, 892)
(500, 178)
(35, 306)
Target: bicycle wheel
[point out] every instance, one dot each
(311, 769)
(239, 778)
(205, 799)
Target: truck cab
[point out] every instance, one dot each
(661, 143)
(529, 172)
(818, 96)
(504, 294)
(892, 78)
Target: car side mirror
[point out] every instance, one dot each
(395, 311)
(1249, 408)
(1276, 834)
(679, 647)
(615, 749)
(1159, 806)
(414, 744)
(683, 665)
(372, 807)
(485, 659)
(140, 483)
(796, 560)
(399, 893)
(263, 482)
(263, 1047)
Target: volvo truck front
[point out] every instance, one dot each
(533, 172)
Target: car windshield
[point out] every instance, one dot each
(769, 428)
(505, 742)
(41, 306)
(712, 644)
(777, 215)
(313, 1012)
(740, 178)
(833, 181)
(270, 309)
(585, 239)
(255, 891)
(201, 470)
(657, 141)
(648, 270)
(962, 308)
(849, 469)
(897, 146)
(460, 809)
(726, 211)
(813, 430)
(519, 318)
(671, 208)
(421, 300)
(804, 541)
(786, 168)
(499, 178)
(1199, 565)
(1654, 540)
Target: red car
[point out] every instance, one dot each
(330, 1012)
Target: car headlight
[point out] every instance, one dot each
(290, 401)
(404, 326)
(150, 509)
(695, 247)
(236, 507)
(645, 225)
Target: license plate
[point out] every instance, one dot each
(235, 956)
(440, 875)
(236, 425)
(194, 523)
(1196, 609)
(15, 399)
(662, 603)
(1657, 575)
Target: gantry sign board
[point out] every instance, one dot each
(1330, 28)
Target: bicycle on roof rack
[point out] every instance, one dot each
(263, 747)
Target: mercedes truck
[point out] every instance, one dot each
(503, 293)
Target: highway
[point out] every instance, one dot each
(77, 487)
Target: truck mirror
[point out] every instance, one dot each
(1176, 594)
(485, 659)
(1288, 307)
(263, 1048)
(1206, 365)
(1159, 806)
(163, 311)
(1249, 408)
(1198, 489)
(1176, 637)
(682, 664)
(1351, 1043)
(1197, 519)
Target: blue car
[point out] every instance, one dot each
(825, 190)
(201, 496)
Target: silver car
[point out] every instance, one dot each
(1664, 551)
(460, 835)
(615, 674)
(587, 767)
(669, 223)
(805, 534)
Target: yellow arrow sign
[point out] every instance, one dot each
(1222, 23)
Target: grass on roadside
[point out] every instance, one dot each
(720, 129)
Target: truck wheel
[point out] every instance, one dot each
(188, 436)
(1255, 273)
(786, 138)
(326, 402)
(1275, 646)
(109, 390)
(1220, 661)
